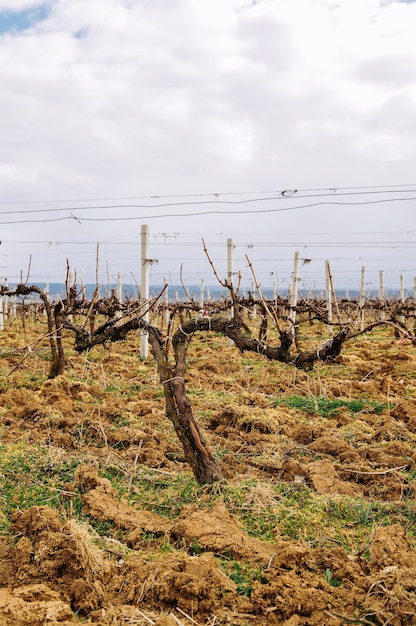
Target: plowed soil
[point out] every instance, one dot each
(314, 525)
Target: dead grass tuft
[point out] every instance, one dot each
(90, 556)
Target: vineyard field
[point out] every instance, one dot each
(103, 522)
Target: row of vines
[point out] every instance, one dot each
(271, 329)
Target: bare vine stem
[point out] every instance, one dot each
(271, 313)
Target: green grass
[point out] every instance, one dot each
(243, 575)
(162, 494)
(30, 476)
(35, 475)
(331, 580)
(327, 408)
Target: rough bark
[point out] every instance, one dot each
(179, 411)
(54, 329)
(302, 360)
(178, 407)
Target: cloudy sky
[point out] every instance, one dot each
(286, 125)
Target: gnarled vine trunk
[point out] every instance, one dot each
(179, 411)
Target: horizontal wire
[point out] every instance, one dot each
(208, 212)
(332, 189)
(236, 246)
(283, 195)
(176, 239)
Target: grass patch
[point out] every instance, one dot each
(33, 476)
(243, 575)
(163, 494)
(326, 407)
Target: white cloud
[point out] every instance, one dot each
(141, 97)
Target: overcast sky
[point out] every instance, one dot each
(286, 125)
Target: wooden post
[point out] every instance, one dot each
(230, 262)
(144, 287)
(334, 300)
(402, 297)
(201, 295)
(6, 313)
(381, 295)
(328, 295)
(47, 295)
(293, 298)
(119, 294)
(5, 304)
(230, 281)
(381, 286)
(362, 297)
(402, 291)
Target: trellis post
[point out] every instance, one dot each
(5, 305)
(119, 289)
(402, 291)
(293, 298)
(402, 296)
(381, 294)
(47, 295)
(362, 296)
(119, 294)
(230, 248)
(328, 295)
(201, 295)
(144, 287)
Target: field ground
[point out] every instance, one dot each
(102, 522)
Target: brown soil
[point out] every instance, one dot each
(53, 570)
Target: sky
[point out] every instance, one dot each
(284, 125)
